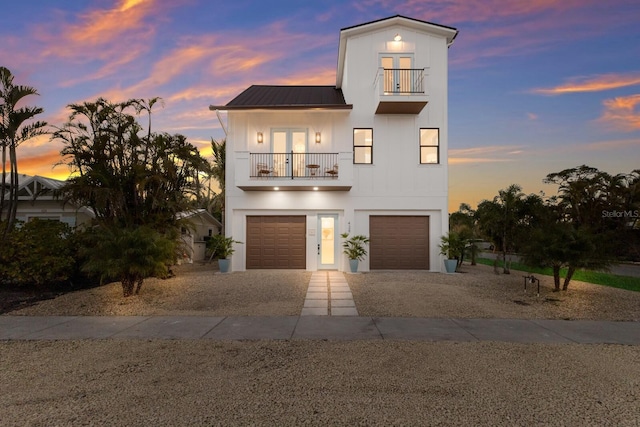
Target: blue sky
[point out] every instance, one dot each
(535, 86)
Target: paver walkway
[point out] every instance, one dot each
(329, 295)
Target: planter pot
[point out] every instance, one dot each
(353, 264)
(450, 265)
(223, 265)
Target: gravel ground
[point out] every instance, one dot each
(475, 293)
(290, 383)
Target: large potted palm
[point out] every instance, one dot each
(452, 246)
(353, 248)
(222, 248)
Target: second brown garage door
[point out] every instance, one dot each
(276, 242)
(399, 242)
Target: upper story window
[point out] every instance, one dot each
(429, 145)
(363, 146)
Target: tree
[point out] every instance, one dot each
(218, 170)
(552, 241)
(585, 197)
(14, 130)
(130, 179)
(127, 179)
(499, 220)
(464, 223)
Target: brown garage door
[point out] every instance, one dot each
(276, 242)
(399, 242)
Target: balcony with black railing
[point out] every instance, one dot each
(293, 171)
(401, 90)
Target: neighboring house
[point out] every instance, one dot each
(36, 200)
(366, 156)
(197, 228)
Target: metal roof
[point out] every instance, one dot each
(287, 97)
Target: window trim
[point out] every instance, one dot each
(421, 145)
(362, 146)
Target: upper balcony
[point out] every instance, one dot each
(293, 171)
(400, 90)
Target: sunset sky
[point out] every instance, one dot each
(535, 86)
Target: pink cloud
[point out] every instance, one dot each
(592, 84)
(622, 113)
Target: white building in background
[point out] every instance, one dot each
(366, 156)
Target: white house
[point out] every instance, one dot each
(366, 156)
(198, 225)
(36, 199)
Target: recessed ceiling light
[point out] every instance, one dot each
(276, 188)
(315, 188)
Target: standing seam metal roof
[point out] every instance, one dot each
(283, 97)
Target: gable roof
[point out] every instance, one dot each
(34, 187)
(449, 33)
(408, 22)
(287, 98)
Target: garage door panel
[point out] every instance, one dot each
(276, 242)
(399, 242)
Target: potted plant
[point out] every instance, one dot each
(354, 249)
(452, 246)
(222, 248)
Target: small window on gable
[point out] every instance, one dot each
(363, 146)
(429, 146)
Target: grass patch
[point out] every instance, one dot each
(595, 277)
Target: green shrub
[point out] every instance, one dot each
(38, 253)
(128, 255)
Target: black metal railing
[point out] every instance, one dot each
(293, 165)
(403, 80)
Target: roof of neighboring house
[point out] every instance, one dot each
(202, 213)
(32, 187)
(287, 97)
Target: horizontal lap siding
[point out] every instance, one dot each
(399, 242)
(276, 242)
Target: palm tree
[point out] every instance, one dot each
(13, 132)
(218, 171)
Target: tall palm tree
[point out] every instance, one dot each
(13, 131)
(218, 171)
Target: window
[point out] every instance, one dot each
(429, 146)
(363, 146)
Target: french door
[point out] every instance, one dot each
(397, 73)
(285, 142)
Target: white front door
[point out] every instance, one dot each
(328, 242)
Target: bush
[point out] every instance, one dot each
(127, 254)
(38, 253)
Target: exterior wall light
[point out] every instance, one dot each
(260, 138)
(317, 137)
(397, 38)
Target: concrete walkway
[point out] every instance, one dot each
(329, 295)
(316, 328)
